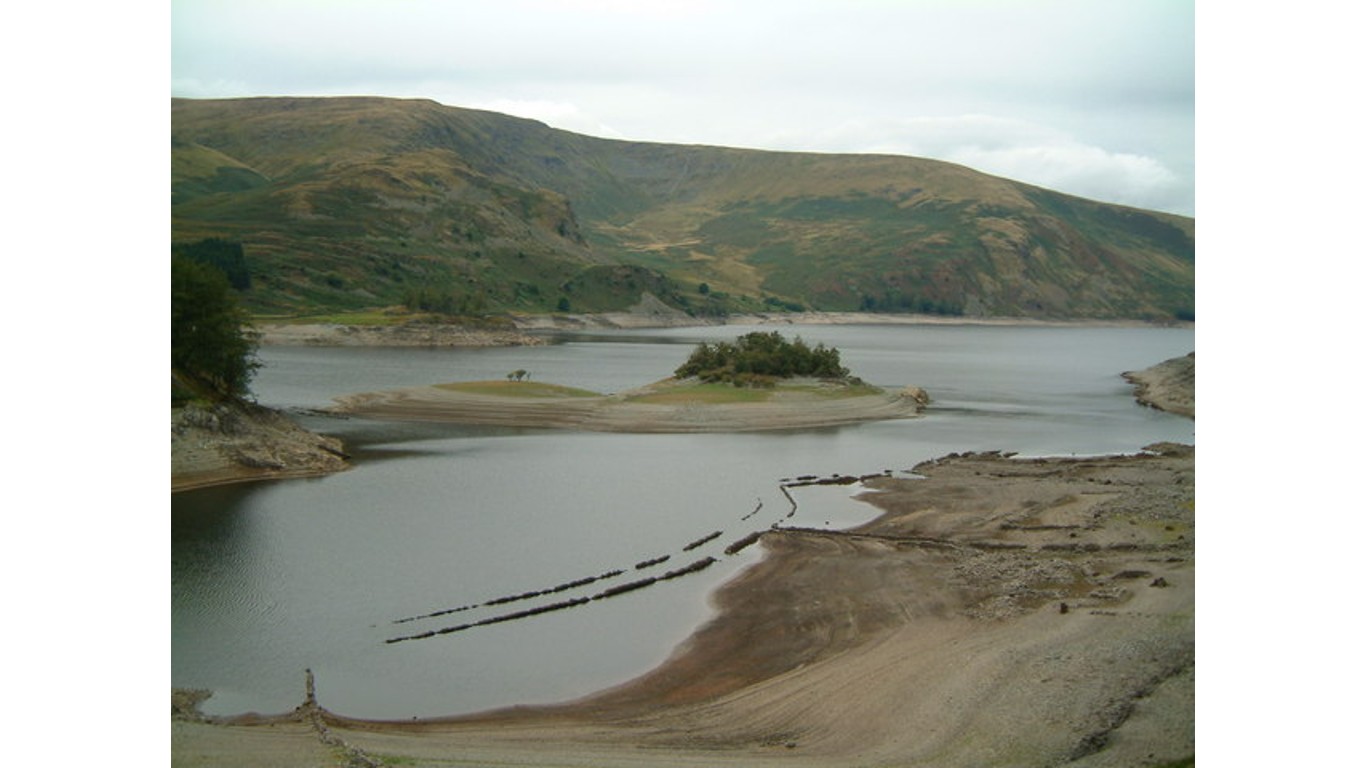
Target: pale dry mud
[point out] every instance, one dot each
(618, 413)
(1000, 612)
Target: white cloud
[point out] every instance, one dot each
(1081, 170)
(1016, 149)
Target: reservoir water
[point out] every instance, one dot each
(269, 579)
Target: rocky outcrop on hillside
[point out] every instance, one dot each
(228, 442)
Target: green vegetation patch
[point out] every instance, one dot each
(706, 393)
(757, 359)
(348, 204)
(534, 389)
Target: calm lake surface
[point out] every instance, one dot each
(268, 579)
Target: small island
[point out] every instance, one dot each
(761, 381)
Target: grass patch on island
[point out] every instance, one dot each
(708, 393)
(517, 389)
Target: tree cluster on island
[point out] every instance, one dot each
(761, 359)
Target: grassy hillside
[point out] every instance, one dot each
(350, 203)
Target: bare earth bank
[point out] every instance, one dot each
(1168, 386)
(237, 442)
(1000, 612)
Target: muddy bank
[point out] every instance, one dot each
(648, 409)
(1001, 611)
(216, 444)
(1168, 386)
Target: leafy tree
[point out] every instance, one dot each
(758, 356)
(212, 347)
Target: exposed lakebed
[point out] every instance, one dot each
(270, 579)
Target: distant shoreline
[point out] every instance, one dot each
(524, 328)
(625, 320)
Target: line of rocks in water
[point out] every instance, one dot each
(620, 589)
(734, 548)
(703, 540)
(835, 479)
(740, 544)
(565, 587)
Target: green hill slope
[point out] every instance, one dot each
(350, 203)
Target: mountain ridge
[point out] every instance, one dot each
(353, 202)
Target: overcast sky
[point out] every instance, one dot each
(1092, 97)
